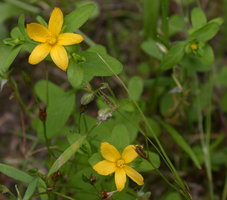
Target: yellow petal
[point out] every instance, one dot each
(37, 32)
(69, 39)
(109, 152)
(39, 53)
(120, 179)
(104, 167)
(129, 154)
(134, 175)
(59, 56)
(56, 21)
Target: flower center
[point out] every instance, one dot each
(52, 40)
(120, 163)
(194, 46)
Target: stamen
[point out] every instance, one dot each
(52, 40)
(120, 163)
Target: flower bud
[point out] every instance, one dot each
(42, 114)
(56, 175)
(87, 98)
(140, 150)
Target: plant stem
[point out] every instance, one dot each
(17, 96)
(205, 139)
(165, 24)
(224, 193)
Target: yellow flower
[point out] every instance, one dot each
(116, 162)
(52, 40)
(194, 46)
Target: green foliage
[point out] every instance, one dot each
(31, 189)
(151, 48)
(175, 84)
(150, 17)
(66, 155)
(173, 57)
(198, 18)
(182, 143)
(75, 74)
(135, 87)
(77, 18)
(60, 105)
(7, 55)
(99, 64)
(15, 173)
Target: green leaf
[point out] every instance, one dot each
(95, 158)
(7, 11)
(142, 165)
(176, 24)
(98, 49)
(73, 137)
(155, 127)
(224, 102)
(221, 75)
(135, 87)
(66, 155)
(31, 189)
(206, 32)
(198, 18)
(7, 56)
(60, 106)
(173, 196)
(207, 57)
(99, 64)
(15, 173)
(152, 49)
(151, 10)
(182, 143)
(173, 57)
(77, 18)
(75, 74)
(21, 26)
(120, 136)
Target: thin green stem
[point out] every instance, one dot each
(205, 136)
(63, 195)
(46, 138)
(17, 96)
(224, 193)
(198, 3)
(165, 20)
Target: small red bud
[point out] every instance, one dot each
(42, 114)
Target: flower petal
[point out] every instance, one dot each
(120, 179)
(104, 167)
(109, 152)
(37, 32)
(69, 39)
(129, 154)
(59, 56)
(134, 175)
(39, 53)
(56, 21)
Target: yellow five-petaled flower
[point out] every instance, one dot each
(118, 163)
(52, 40)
